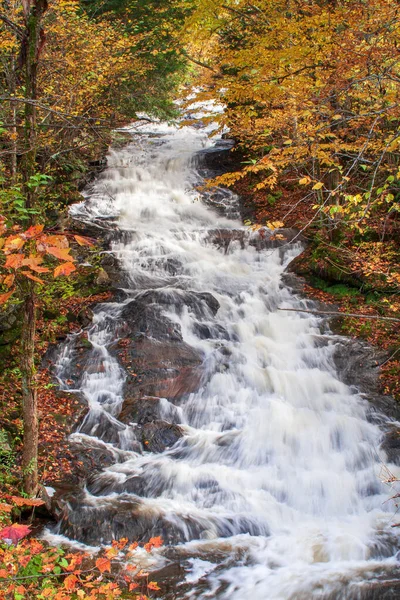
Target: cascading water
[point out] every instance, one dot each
(272, 488)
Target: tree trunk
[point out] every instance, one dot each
(32, 44)
(29, 395)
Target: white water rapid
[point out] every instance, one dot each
(275, 488)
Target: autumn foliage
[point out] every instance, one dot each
(30, 568)
(29, 254)
(311, 95)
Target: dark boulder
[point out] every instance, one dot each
(160, 435)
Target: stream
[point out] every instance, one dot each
(224, 423)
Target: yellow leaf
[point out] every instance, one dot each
(318, 186)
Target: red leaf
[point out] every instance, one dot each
(133, 586)
(103, 564)
(60, 253)
(14, 533)
(64, 269)
(83, 241)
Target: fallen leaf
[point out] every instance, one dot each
(27, 501)
(15, 532)
(33, 277)
(60, 253)
(64, 269)
(83, 241)
(33, 231)
(70, 582)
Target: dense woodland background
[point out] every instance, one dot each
(311, 95)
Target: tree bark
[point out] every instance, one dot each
(30, 55)
(29, 395)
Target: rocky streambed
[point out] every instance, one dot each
(253, 440)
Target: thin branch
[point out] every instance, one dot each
(13, 26)
(198, 62)
(341, 314)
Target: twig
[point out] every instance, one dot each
(341, 314)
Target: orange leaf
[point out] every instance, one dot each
(70, 582)
(103, 564)
(33, 277)
(14, 242)
(156, 541)
(9, 280)
(58, 241)
(153, 586)
(84, 241)
(5, 297)
(60, 253)
(4, 574)
(33, 231)
(133, 586)
(64, 269)
(6, 508)
(133, 546)
(27, 501)
(14, 261)
(33, 263)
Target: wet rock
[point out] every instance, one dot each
(147, 410)
(85, 316)
(391, 444)
(94, 520)
(160, 435)
(141, 410)
(198, 302)
(219, 158)
(207, 331)
(265, 239)
(224, 237)
(103, 278)
(158, 362)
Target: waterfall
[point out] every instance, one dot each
(270, 487)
